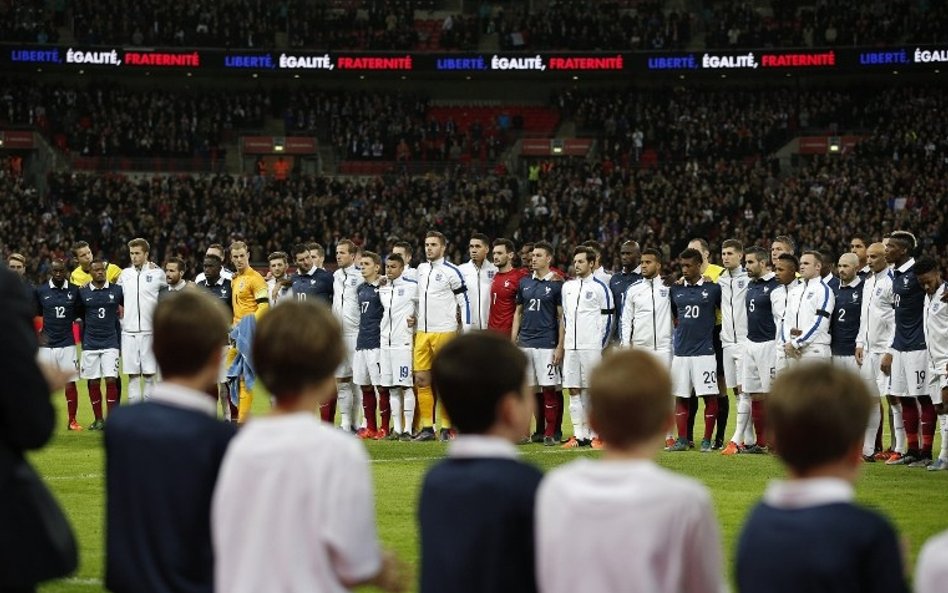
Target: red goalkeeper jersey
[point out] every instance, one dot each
(503, 299)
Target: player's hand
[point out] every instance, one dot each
(558, 355)
(790, 350)
(886, 365)
(394, 575)
(411, 321)
(859, 355)
(795, 332)
(55, 377)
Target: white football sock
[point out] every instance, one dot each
(395, 404)
(900, 440)
(869, 441)
(134, 389)
(408, 407)
(344, 404)
(590, 433)
(944, 438)
(577, 414)
(149, 386)
(743, 418)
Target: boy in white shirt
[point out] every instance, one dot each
(311, 526)
(626, 501)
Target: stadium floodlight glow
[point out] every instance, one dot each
(1, 139)
(834, 145)
(557, 146)
(279, 144)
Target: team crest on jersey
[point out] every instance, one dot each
(224, 292)
(241, 285)
(855, 297)
(438, 277)
(506, 283)
(111, 297)
(312, 282)
(905, 281)
(68, 296)
(491, 274)
(589, 295)
(147, 277)
(352, 282)
(663, 292)
(809, 296)
(547, 289)
(766, 289)
(401, 292)
(740, 284)
(878, 291)
(704, 294)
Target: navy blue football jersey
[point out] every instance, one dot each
(101, 320)
(695, 307)
(761, 326)
(909, 301)
(539, 324)
(319, 285)
(370, 317)
(844, 327)
(60, 307)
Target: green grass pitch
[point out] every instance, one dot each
(72, 464)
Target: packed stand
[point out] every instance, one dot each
(895, 179)
(389, 25)
(222, 23)
(30, 21)
(182, 215)
(377, 126)
(109, 120)
(690, 123)
(576, 25)
(735, 25)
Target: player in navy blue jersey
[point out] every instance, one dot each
(694, 305)
(214, 281)
(309, 281)
(57, 301)
(536, 329)
(367, 362)
(631, 272)
(844, 326)
(907, 360)
(757, 362)
(102, 303)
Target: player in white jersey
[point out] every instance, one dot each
(805, 327)
(785, 267)
(479, 273)
(936, 340)
(646, 310)
(733, 282)
(215, 249)
(405, 250)
(345, 306)
(646, 317)
(587, 312)
(141, 285)
(399, 301)
(876, 329)
(442, 300)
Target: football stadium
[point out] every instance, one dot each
(451, 296)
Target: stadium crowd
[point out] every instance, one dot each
(736, 24)
(181, 215)
(110, 120)
(386, 126)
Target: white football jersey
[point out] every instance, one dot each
(141, 288)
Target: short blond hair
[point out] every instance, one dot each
(630, 395)
(139, 242)
(238, 245)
